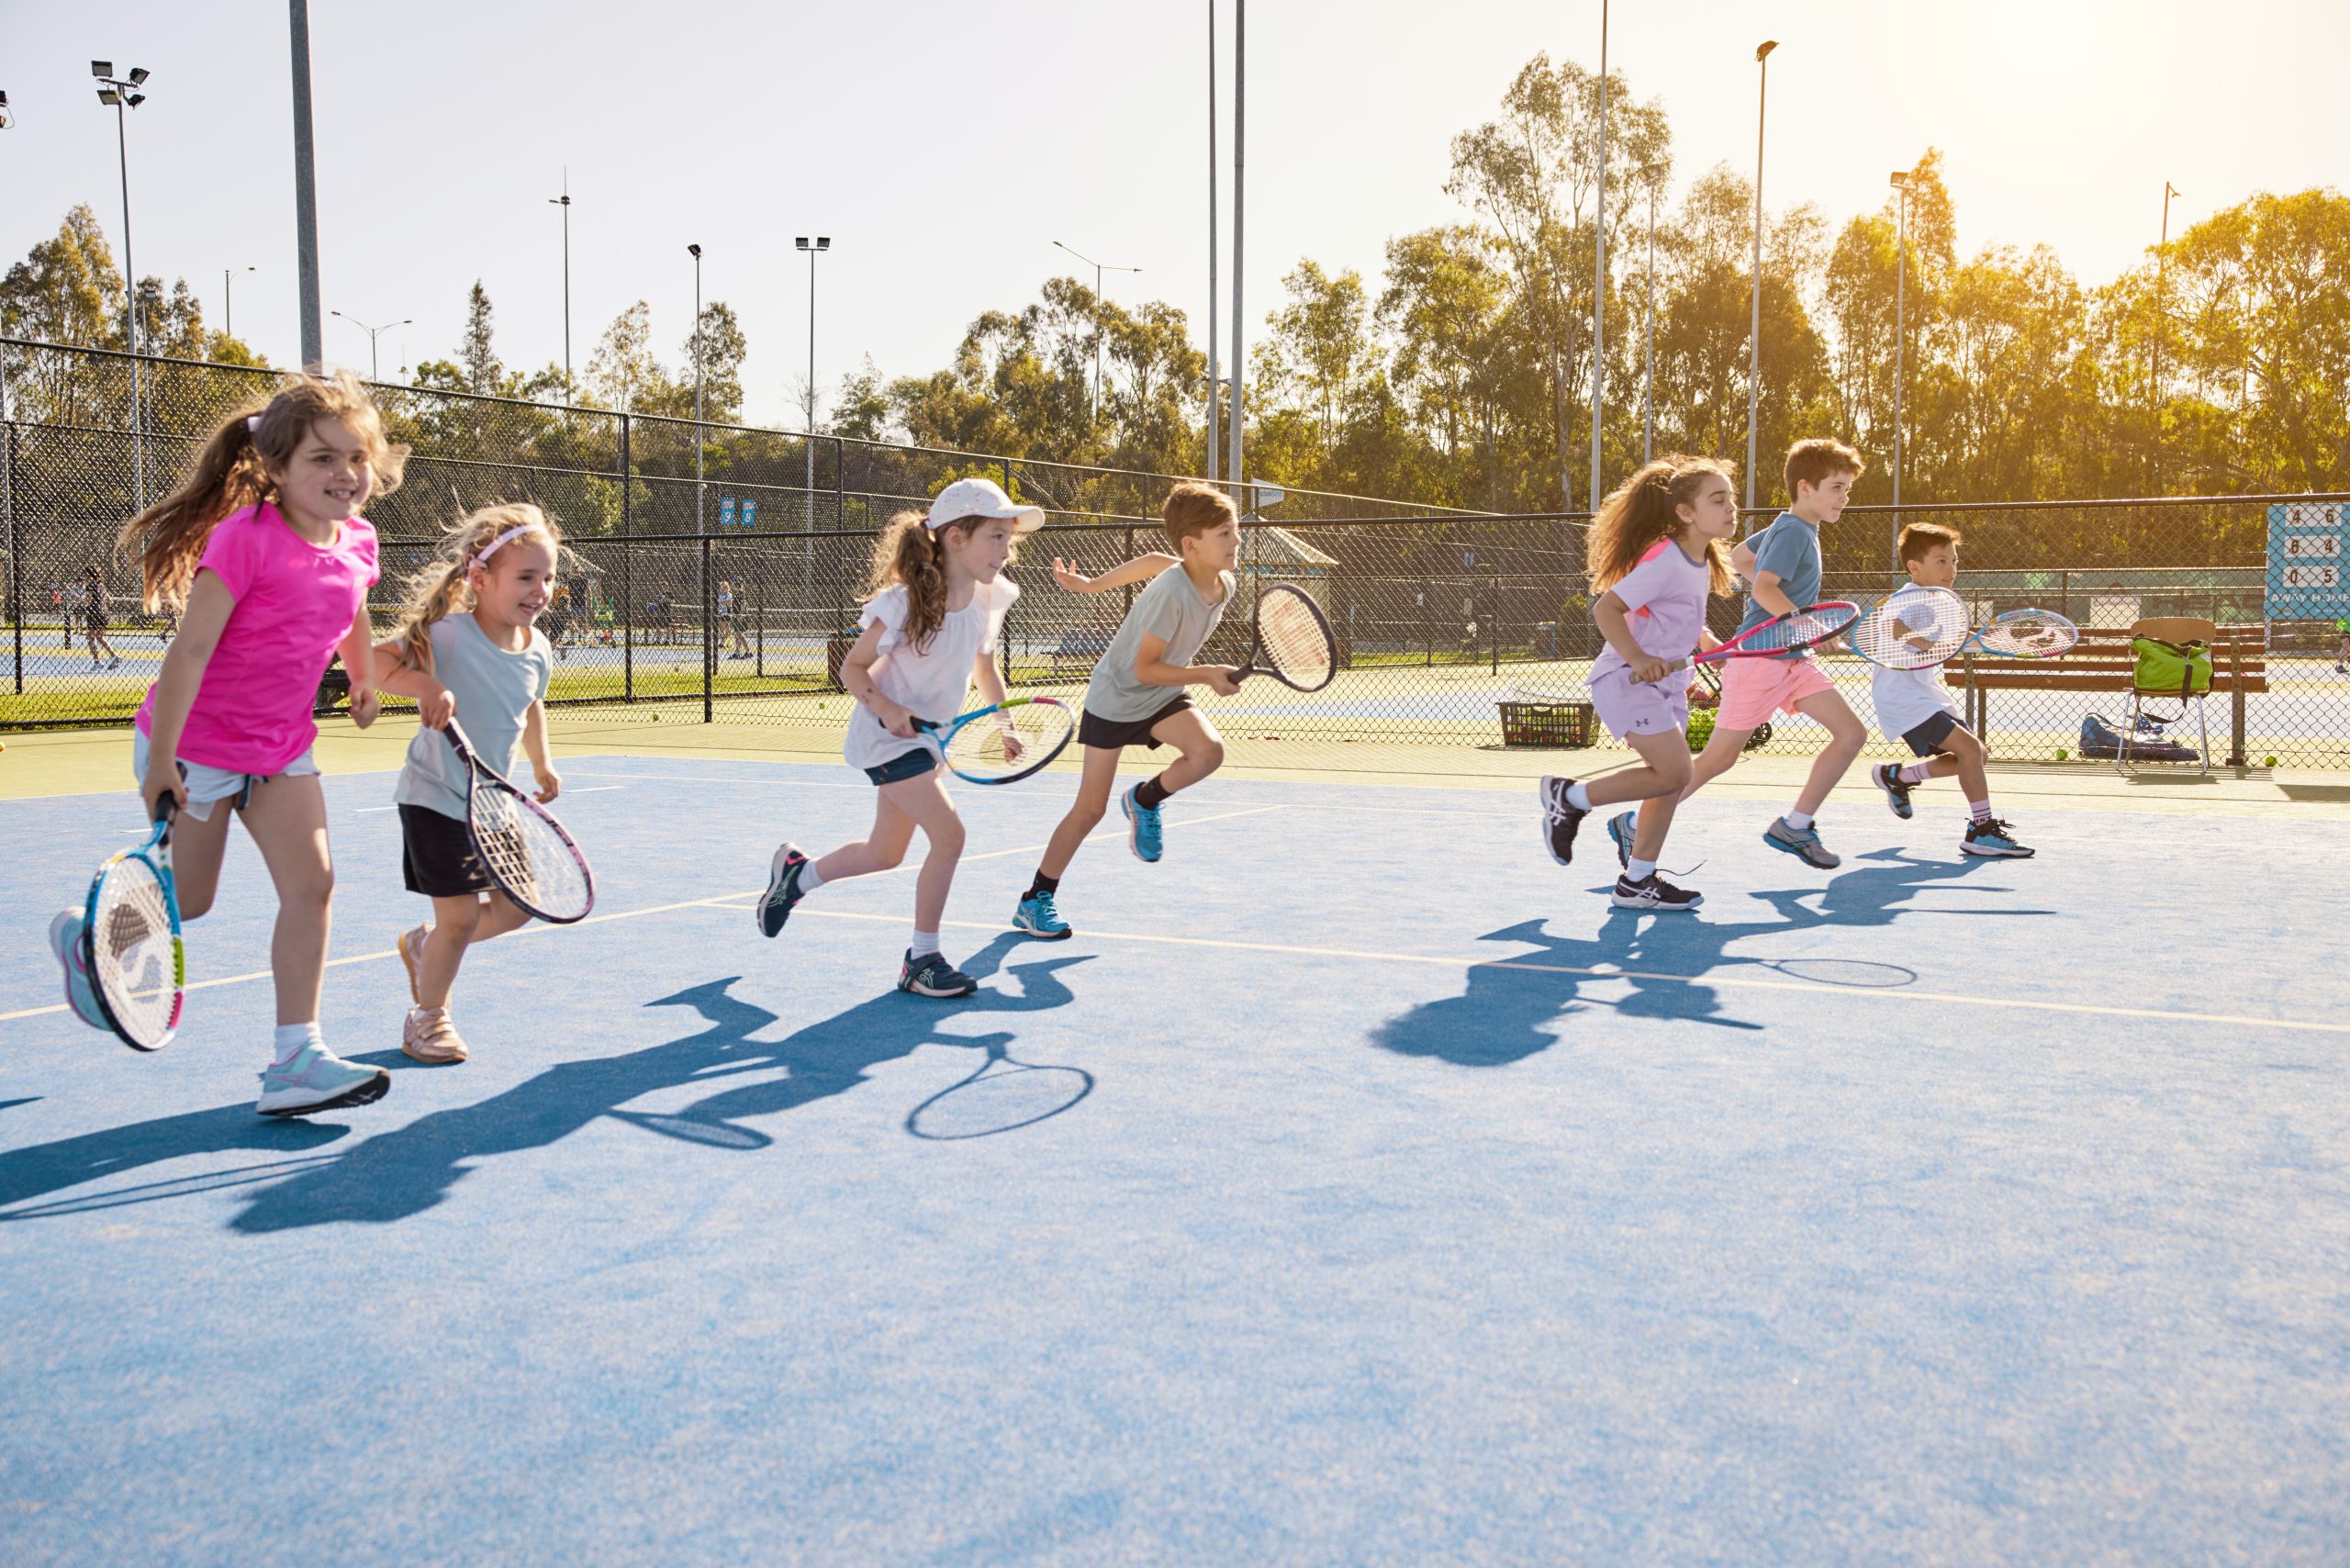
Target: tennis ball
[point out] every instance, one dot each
(2062, 753)
(2267, 762)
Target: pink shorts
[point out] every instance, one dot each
(1752, 690)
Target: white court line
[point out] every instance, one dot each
(592, 790)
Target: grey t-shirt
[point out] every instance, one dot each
(494, 690)
(1168, 607)
(1789, 547)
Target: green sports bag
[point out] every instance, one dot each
(2178, 671)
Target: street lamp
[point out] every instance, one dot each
(372, 333)
(1754, 329)
(814, 247)
(695, 251)
(1098, 270)
(228, 299)
(122, 95)
(564, 201)
(1648, 365)
(1900, 339)
(1599, 269)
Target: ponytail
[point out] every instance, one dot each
(909, 553)
(232, 472)
(444, 587)
(1645, 509)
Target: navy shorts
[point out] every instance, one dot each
(1925, 739)
(437, 856)
(905, 766)
(1115, 734)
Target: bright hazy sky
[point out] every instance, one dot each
(945, 146)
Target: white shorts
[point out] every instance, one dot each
(1630, 707)
(207, 784)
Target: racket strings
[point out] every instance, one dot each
(999, 745)
(526, 854)
(134, 960)
(1912, 631)
(1294, 639)
(2030, 634)
(1802, 630)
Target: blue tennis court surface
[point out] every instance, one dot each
(1354, 1188)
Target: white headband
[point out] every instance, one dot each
(252, 424)
(491, 548)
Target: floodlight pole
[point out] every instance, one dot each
(1216, 392)
(1754, 329)
(700, 527)
(1235, 415)
(306, 191)
(229, 299)
(814, 247)
(564, 201)
(1599, 270)
(2162, 317)
(123, 93)
(1648, 362)
(1900, 341)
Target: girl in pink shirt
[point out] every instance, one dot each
(264, 553)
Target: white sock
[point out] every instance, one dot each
(1578, 797)
(1799, 819)
(1979, 810)
(925, 943)
(292, 1037)
(1640, 870)
(1917, 773)
(809, 878)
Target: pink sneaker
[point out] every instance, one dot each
(429, 1037)
(411, 951)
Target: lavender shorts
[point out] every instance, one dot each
(1630, 707)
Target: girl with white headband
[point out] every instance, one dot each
(469, 648)
(263, 552)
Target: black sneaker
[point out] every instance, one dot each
(775, 905)
(1621, 828)
(1887, 776)
(1992, 837)
(1560, 820)
(1654, 894)
(932, 975)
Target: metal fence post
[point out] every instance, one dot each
(627, 570)
(709, 646)
(16, 546)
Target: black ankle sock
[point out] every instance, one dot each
(1043, 884)
(1150, 794)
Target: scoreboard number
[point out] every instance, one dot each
(2312, 546)
(2312, 578)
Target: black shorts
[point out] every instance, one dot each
(905, 766)
(1925, 739)
(1115, 734)
(437, 856)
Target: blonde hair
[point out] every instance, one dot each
(231, 471)
(1647, 508)
(444, 587)
(911, 552)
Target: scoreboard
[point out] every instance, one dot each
(2309, 574)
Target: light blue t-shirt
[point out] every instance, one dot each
(1789, 547)
(494, 690)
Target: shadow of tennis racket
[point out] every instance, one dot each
(1003, 1096)
(1857, 973)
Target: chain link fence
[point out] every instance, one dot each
(734, 594)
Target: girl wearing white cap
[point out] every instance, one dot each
(938, 601)
(470, 649)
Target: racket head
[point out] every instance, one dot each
(1916, 628)
(1805, 628)
(525, 850)
(2028, 634)
(130, 942)
(1008, 742)
(1294, 640)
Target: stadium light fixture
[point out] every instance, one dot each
(814, 247)
(122, 97)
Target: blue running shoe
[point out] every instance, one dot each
(1992, 837)
(1887, 776)
(1142, 826)
(1803, 842)
(65, 941)
(932, 975)
(1621, 828)
(317, 1079)
(1037, 917)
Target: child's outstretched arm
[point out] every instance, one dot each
(1141, 569)
(435, 703)
(534, 743)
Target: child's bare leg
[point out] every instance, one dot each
(197, 849)
(1665, 770)
(1670, 768)
(1200, 747)
(1967, 757)
(499, 915)
(1846, 737)
(1721, 752)
(456, 921)
(1093, 786)
(287, 819)
(884, 849)
(924, 801)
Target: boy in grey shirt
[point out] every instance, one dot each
(1136, 696)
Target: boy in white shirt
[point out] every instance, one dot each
(1915, 706)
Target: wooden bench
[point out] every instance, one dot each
(2102, 662)
(1084, 644)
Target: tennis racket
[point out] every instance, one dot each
(525, 850)
(1294, 641)
(1915, 629)
(1005, 742)
(2025, 634)
(1805, 628)
(130, 939)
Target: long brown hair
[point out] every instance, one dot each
(1645, 509)
(910, 552)
(444, 587)
(231, 471)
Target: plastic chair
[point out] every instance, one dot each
(2168, 629)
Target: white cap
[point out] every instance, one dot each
(981, 497)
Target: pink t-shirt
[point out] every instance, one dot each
(295, 602)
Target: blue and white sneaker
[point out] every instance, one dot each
(932, 975)
(1991, 837)
(317, 1079)
(775, 904)
(1803, 842)
(1142, 826)
(1037, 917)
(1621, 828)
(1887, 776)
(65, 941)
